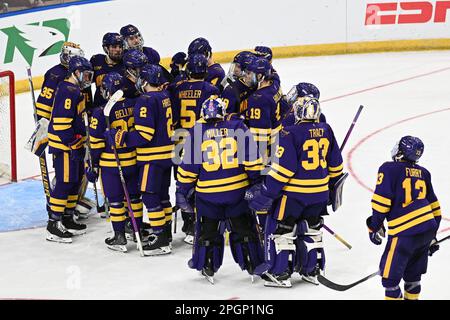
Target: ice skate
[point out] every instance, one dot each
(73, 227)
(118, 242)
(158, 244)
(56, 232)
(278, 281)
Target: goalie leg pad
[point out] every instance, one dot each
(310, 252)
(279, 245)
(209, 243)
(244, 242)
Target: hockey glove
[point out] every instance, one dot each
(77, 149)
(433, 247)
(251, 192)
(116, 137)
(261, 201)
(91, 174)
(375, 237)
(181, 200)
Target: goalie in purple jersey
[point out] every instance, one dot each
(53, 77)
(215, 73)
(404, 196)
(220, 161)
(297, 185)
(103, 160)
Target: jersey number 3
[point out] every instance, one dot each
(317, 153)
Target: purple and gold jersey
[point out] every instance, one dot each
(101, 69)
(52, 78)
(217, 163)
(215, 75)
(404, 197)
(66, 122)
(153, 129)
(187, 98)
(306, 159)
(235, 96)
(121, 117)
(263, 113)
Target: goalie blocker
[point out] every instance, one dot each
(336, 191)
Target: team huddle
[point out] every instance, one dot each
(246, 158)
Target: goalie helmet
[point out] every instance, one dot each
(306, 108)
(151, 74)
(113, 39)
(84, 67)
(132, 37)
(409, 148)
(200, 45)
(213, 108)
(134, 60)
(302, 89)
(69, 50)
(111, 83)
(197, 64)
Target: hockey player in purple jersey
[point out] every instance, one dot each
(103, 159)
(307, 158)
(66, 134)
(404, 196)
(236, 90)
(187, 98)
(133, 61)
(220, 161)
(103, 64)
(215, 73)
(154, 148)
(53, 77)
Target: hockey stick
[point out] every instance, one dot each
(42, 158)
(338, 237)
(89, 154)
(175, 211)
(340, 287)
(349, 132)
(347, 136)
(112, 100)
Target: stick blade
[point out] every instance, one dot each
(112, 101)
(342, 287)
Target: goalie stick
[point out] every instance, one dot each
(342, 287)
(111, 102)
(42, 159)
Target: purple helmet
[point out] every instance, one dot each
(197, 64)
(85, 68)
(264, 52)
(409, 148)
(111, 83)
(200, 45)
(303, 89)
(150, 74)
(131, 31)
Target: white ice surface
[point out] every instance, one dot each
(30, 267)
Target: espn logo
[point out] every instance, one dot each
(410, 12)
